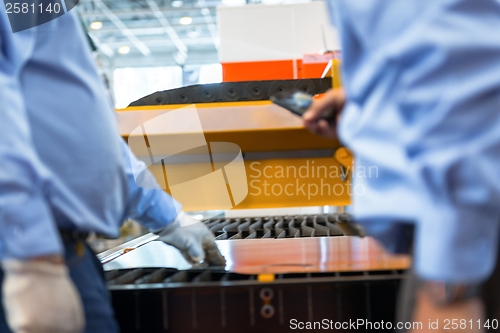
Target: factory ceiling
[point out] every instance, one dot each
(153, 32)
(156, 32)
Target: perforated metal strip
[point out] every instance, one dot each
(283, 227)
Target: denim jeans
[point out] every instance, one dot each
(88, 276)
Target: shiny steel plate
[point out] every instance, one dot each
(255, 256)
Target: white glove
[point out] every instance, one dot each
(39, 297)
(193, 239)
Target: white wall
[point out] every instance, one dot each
(274, 32)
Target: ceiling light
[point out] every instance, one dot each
(177, 3)
(205, 11)
(186, 20)
(96, 25)
(124, 50)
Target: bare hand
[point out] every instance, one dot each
(332, 100)
(427, 311)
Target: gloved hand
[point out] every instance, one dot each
(194, 240)
(39, 297)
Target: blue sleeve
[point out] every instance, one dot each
(424, 83)
(147, 204)
(27, 228)
(450, 91)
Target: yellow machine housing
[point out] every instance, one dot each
(286, 165)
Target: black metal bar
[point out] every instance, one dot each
(232, 91)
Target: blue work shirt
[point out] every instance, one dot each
(62, 162)
(423, 84)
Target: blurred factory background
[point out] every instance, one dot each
(145, 46)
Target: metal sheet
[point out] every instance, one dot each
(255, 256)
(153, 254)
(322, 254)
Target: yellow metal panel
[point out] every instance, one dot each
(344, 157)
(337, 74)
(254, 127)
(333, 70)
(257, 128)
(271, 183)
(199, 105)
(295, 182)
(158, 173)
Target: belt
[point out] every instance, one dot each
(73, 235)
(75, 238)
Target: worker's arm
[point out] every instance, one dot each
(25, 214)
(149, 205)
(424, 109)
(30, 247)
(422, 76)
(450, 92)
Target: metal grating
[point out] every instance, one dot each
(284, 227)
